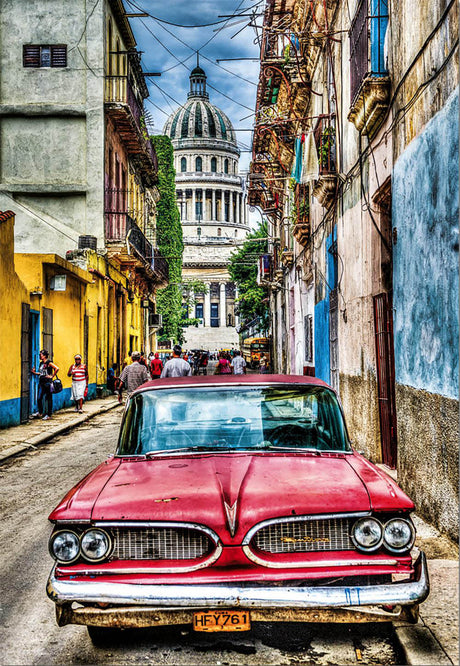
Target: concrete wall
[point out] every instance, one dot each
(425, 218)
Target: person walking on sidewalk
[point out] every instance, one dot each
(156, 366)
(238, 364)
(176, 367)
(132, 376)
(79, 373)
(46, 372)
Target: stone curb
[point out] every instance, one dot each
(419, 646)
(37, 440)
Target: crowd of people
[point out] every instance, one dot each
(136, 370)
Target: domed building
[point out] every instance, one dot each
(212, 203)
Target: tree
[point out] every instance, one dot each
(169, 241)
(253, 299)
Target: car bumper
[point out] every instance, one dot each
(148, 605)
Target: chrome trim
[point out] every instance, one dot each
(223, 596)
(302, 564)
(161, 569)
(301, 519)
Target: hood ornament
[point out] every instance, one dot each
(231, 517)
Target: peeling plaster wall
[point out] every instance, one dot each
(425, 217)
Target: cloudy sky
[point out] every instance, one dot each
(171, 50)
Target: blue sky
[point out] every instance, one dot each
(171, 50)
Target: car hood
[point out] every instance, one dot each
(230, 493)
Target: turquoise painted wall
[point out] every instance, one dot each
(425, 216)
(322, 349)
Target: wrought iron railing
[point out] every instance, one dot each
(118, 89)
(367, 38)
(325, 139)
(120, 227)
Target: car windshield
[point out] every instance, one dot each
(232, 419)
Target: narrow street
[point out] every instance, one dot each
(31, 486)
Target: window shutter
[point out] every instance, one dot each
(30, 55)
(59, 56)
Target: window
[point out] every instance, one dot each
(183, 164)
(226, 166)
(219, 231)
(198, 164)
(198, 232)
(199, 311)
(367, 38)
(308, 330)
(213, 165)
(214, 315)
(38, 55)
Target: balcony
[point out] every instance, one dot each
(325, 139)
(369, 84)
(127, 111)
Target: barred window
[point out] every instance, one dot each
(44, 55)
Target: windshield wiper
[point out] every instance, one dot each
(186, 449)
(274, 447)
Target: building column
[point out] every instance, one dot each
(213, 206)
(193, 215)
(222, 306)
(222, 206)
(231, 217)
(207, 305)
(237, 319)
(238, 208)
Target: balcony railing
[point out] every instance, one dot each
(367, 37)
(121, 228)
(118, 90)
(325, 139)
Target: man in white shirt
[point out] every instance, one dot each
(238, 364)
(176, 367)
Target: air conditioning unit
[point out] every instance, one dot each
(155, 320)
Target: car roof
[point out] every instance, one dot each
(229, 380)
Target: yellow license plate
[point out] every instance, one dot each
(222, 621)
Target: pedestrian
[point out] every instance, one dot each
(46, 372)
(127, 360)
(238, 364)
(223, 365)
(156, 366)
(263, 364)
(132, 376)
(176, 367)
(204, 363)
(111, 378)
(79, 373)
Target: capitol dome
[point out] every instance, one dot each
(198, 118)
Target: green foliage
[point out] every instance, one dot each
(190, 290)
(327, 143)
(243, 270)
(169, 241)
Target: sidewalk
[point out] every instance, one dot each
(30, 435)
(434, 640)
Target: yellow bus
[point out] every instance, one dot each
(252, 348)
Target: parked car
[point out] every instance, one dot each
(229, 502)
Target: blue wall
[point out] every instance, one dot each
(10, 410)
(425, 215)
(322, 349)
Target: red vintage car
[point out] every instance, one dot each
(231, 500)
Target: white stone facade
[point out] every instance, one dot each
(213, 208)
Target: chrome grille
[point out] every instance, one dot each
(305, 536)
(165, 543)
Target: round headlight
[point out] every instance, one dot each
(399, 535)
(95, 545)
(367, 534)
(65, 546)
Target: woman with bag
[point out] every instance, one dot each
(79, 373)
(223, 366)
(46, 372)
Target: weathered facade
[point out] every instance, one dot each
(212, 204)
(78, 170)
(355, 165)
